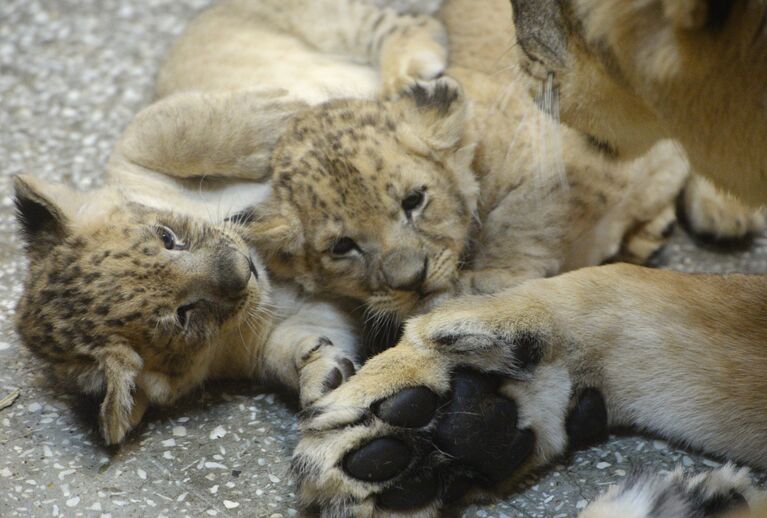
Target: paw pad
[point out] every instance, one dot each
(409, 408)
(379, 460)
(480, 429)
(587, 422)
(409, 494)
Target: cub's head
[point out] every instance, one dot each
(123, 300)
(373, 200)
(635, 71)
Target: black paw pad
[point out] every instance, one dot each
(479, 429)
(410, 408)
(408, 494)
(378, 460)
(587, 423)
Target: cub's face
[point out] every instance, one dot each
(104, 276)
(636, 71)
(373, 200)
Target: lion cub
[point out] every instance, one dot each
(138, 292)
(139, 305)
(404, 202)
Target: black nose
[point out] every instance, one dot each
(232, 270)
(405, 269)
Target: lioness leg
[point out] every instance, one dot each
(485, 387)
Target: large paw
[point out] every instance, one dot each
(673, 495)
(322, 367)
(457, 410)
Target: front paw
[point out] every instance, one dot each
(456, 411)
(322, 367)
(419, 54)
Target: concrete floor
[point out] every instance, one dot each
(72, 74)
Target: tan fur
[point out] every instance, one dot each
(681, 356)
(633, 72)
(102, 296)
(676, 368)
(598, 346)
(509, 194)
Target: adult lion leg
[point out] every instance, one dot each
(486, 387)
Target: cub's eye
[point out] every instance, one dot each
(414, 200)
(168, 238)
(343, 246)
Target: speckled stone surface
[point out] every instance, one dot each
(72, 73)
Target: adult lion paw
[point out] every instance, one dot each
(322, 367)
(456, 411)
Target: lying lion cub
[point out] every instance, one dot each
(134, 296)
(138, 292)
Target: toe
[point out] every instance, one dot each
(347, 368)
(410, 408)
(380, 459)
(587, 422)
(332, 380)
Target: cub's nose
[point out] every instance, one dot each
(405, 269)
(232, 271)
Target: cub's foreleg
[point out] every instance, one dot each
(311, 352)
(194, 134)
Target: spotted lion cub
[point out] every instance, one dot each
(138, 292)
(459, 185)
(138, 305)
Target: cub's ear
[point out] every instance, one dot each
(272, 227)
(435, 115)
(43, 213)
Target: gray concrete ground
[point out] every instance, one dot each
(72, 73)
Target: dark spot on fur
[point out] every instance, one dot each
(441, 97)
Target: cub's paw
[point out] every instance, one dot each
(453, 413)
(673, 495)
(416, 54)
(717, 216)
(322, 367)
(647, 241)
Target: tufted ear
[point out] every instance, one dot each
(44, 211)
(435, 115)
